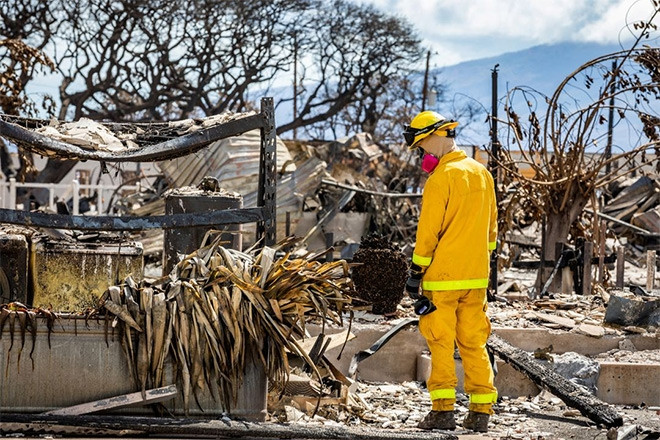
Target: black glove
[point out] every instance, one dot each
(414, 281)
(423, 306)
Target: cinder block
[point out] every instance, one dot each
(629, 384)
(512, 383)
(423, 367)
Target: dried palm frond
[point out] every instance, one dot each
(219, 309)
(27, 320)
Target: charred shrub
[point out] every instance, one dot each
(380, 277)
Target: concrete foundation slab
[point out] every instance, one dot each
(402, 359)
(629, 384)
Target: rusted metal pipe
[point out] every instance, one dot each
(373, 193)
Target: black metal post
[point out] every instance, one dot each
(610, 122)
(267, 174)
(426, 80)
(495, 157)
(295, 83)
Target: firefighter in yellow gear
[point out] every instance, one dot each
(456, 233)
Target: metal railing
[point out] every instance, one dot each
(62, 191)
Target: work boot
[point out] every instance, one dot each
(476, 421)
(438, 420)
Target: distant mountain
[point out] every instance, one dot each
(541, 68)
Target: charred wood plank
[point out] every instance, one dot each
(572, 394)
(131, 223)
(181, 428)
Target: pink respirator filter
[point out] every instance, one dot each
(429, 162)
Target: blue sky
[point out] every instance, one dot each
(457, 31)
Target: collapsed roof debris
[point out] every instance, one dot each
(233, 161)
(637, 202)
(88, 134)
(157, 140)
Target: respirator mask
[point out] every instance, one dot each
(429, 162)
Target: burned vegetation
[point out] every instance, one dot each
(221, 309)
(380, 274)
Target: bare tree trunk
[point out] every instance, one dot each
(6, 165)
(558, 226)
(556, 231)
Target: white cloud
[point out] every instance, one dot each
(611, 26)
(477, 28)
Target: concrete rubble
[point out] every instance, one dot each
(401, 406)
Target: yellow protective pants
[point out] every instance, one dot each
(460, 319)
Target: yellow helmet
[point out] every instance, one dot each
(426, 123)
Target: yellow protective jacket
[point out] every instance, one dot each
(457, 226)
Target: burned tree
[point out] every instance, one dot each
(356, 54)
(177, 59)
(25, 30)
(166, 60)
(568, 151)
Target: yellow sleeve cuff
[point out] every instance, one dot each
(492, 245)
(421, 261)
